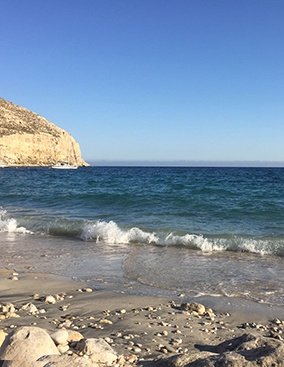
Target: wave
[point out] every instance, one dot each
(10, 224)
(110, 232)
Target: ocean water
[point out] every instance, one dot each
(204, 231)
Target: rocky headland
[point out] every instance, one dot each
(28, 139)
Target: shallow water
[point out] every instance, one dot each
(217, 231)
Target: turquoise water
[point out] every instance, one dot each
(177, 219)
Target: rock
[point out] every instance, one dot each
(63, 348)
(244, 351)
(11, 314)
(2, 336)
(36, 297)
(8, 308)
(87, 290)
(64, 360)
(13, 277)
(27, 139)
(67, 323)
(50, 299)
(74, 336)
(98, 350)
(60, 337)
(194, 307)
(25, 345)
(30, 307)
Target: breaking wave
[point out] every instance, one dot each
(10, 224)
(110, 232)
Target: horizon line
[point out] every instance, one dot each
(187, 163)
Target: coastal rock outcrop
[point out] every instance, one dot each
(28, 139)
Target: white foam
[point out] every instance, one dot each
(194, 241)
(257, 247)
(109, 232)
(10, 224)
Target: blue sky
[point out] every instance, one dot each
(151, 79)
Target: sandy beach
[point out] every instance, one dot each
(143, 329)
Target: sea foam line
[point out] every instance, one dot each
(111, 233)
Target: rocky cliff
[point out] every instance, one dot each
(28, 139)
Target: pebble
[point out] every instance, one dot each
(137, 350)
(74, 336)
(87, 290)
(13, 277)
(30, 307)
(64, 307)
(50, 299)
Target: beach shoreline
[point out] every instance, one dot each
(147, 327)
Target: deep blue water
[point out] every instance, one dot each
(239, 209)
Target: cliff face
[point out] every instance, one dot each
(28, 139)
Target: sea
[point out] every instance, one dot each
(216, 231)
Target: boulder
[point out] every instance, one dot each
(25, 345)
(60, 337)
(244, 351)
(98, 350)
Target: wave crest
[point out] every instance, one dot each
(109, 232)
(10, 224)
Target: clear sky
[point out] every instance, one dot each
(151, 79)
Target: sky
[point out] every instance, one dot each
(151, 80)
